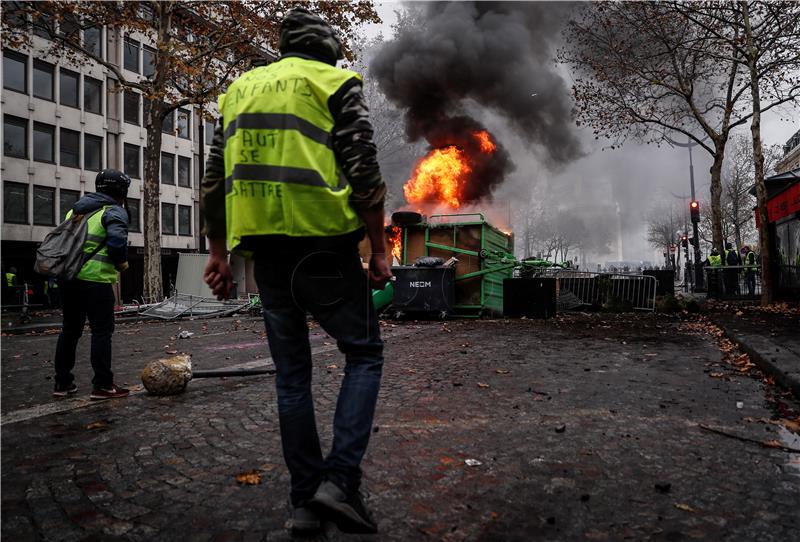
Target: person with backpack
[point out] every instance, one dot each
(90, 293)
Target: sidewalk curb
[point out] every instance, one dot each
(770, 358)
(51, 326)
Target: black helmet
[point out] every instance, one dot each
(306, 33)
(112, 182)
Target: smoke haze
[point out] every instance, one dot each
(491, 54)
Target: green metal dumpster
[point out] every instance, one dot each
(485, 257)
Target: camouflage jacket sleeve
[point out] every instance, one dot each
(354, 148)
(212, 188)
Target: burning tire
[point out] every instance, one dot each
(406, 218)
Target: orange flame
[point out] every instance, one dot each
(441, 176)
(487, 145)
(396, 240)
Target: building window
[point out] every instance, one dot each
(70, 148)
(43, 80)
(15, 137)
(93, 95)
(168, 218)
(66, 201)
(15, 203)
(44, 139)
(70, 27)
(131, 159)
(132, 107)
(92, 152)
(197, 170)
(148, 61)
(92, 41)
(69, 88)
(183, 123)
(209, 133)
(167, 168)
(131, 55)
(15, 71)
(43, 25)
(184, 220)
(168, 124)
(133, 211)
(184, 169)
(44, 205)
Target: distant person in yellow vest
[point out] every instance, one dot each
(293, 179)
(11, 277)
(90, 294)
(10, 291)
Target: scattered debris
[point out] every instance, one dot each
(97, 425)
(482, 385)
(561, 428)
(739, 404)
(252, 478)
(684, 507)
(185, 334)
(472, 462)
(765, 444)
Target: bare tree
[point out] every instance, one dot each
(199, 48)
(664, 222)
(738, 180)
(763, 38)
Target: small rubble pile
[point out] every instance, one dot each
(168, 376)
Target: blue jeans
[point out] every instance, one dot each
(333, 287)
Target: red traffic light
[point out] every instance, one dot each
(694, 210)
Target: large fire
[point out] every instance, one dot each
(441, 177)
(396, 240)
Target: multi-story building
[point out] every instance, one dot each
(62, 123)
(791, 155)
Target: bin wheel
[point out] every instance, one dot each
(483, 254)
(443, 315)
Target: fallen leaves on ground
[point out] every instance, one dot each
(252, 478)
(97, 425)
(684, 507)
(502, 371)
(482, 385)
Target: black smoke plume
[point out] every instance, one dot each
(498, 55)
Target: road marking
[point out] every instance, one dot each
(66, 405)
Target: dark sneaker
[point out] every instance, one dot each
(347, 511)
(109, 393)
(304, 520)
(63, 391)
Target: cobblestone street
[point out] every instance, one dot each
(588, 427)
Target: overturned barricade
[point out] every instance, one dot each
(194, 306)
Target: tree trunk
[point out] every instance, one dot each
(151, 205)
(716, 196)
(153, 283)
(767, 293)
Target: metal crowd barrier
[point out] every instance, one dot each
(584, 288)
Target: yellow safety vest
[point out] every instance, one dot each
(10, 278)
(750, 261)
(715, 261)
(99, 268)
(281, 174)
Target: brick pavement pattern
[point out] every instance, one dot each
(584, 428)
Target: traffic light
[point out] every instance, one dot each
(684, 241)
(694, 209)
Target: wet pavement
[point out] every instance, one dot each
(588, 427)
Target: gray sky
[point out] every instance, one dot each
(638, 176)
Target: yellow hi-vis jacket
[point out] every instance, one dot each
(281, 174)
(99, 268)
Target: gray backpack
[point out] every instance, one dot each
(61, 253)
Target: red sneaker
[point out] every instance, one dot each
(109, 393)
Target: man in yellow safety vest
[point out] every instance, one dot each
(90, 295)
(293, 180)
